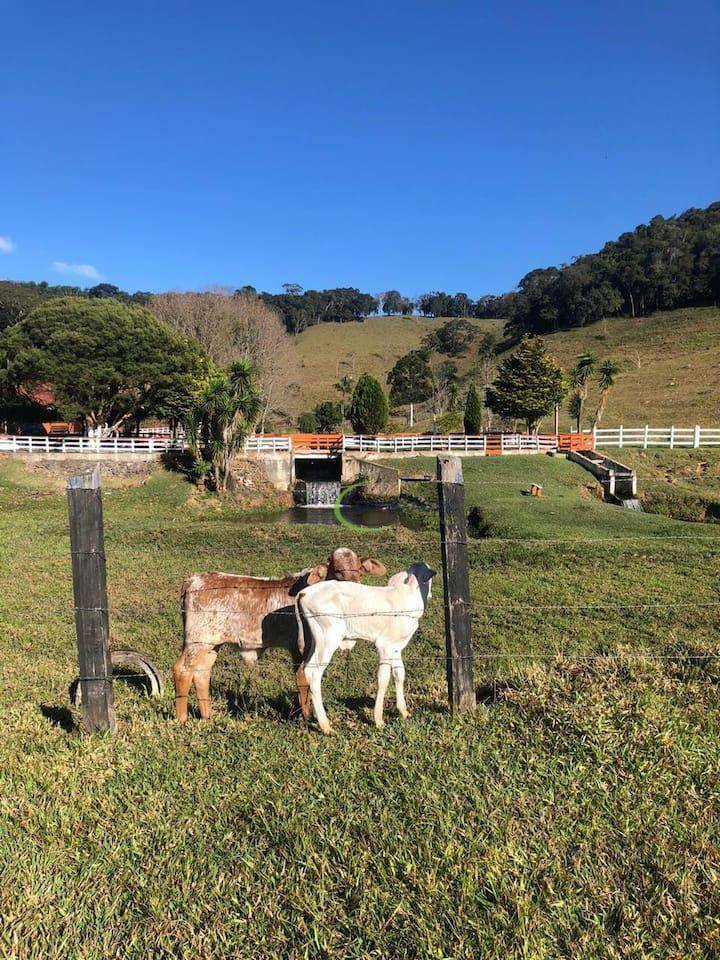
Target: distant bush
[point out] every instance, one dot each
(368, 411)
(328, 416)
(472, 418)
(307, 422)
(451, 422)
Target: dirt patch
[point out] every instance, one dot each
(681, 505)
(252, 489)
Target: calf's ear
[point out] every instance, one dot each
(317, 574)
(370, 565)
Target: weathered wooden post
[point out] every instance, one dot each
(456, 582)
(87, 547)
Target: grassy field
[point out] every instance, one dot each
(670, 362)
(575, 816)
(328, 351)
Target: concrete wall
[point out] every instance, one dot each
(618, 480)
(379, 481)
(278, 467)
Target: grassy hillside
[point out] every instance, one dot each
(575, 815)
(670, 365)
(670, 361)
(328, 351)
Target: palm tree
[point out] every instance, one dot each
(223, 410)
(344, 387)
(584, 368)
(609, 369)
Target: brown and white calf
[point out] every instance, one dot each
(254, 613)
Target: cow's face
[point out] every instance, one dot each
(423, 574)
(344, 564)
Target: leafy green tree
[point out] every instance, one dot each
(452, 338)
(608, 370)
(369, 406)
(528, 384)
(307, 422)
(392, 302)
(472, 418)
(224, 406)
(102, 359)
(328, 416)
(411, 378)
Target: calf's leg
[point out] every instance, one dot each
(314, 669)
(193, 666)
(383, 680)
(182, 678)
(201, 676)
(398, 675)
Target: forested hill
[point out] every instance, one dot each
(662, 265)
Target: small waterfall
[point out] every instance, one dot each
(632, 504)
(321, 493)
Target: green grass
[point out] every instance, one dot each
(575, 816)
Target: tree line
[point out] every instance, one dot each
(667, 263)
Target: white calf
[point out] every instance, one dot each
(334, 615)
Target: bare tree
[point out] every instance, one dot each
(233, 328)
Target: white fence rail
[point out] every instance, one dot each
(648, 436)
(13, 444)
(258, 443)
(409, 444)
(645, 437)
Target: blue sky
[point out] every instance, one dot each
(416, 145)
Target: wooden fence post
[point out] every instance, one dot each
(453, 548)
(87, 547)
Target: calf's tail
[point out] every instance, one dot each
(306, 640)
(306, 646)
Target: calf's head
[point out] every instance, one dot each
(417, 573)
(344, 564)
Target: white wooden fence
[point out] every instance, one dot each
(259, 443)
(13, 444)
(657, 437)
(410, 444)
(484, 444)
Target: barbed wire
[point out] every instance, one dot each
(511, 606)
(680, 657)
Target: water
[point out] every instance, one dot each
(362, 515)
(632, 504)
(321, 493)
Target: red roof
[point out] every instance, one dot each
(41, 394)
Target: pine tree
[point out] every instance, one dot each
(528, 384)
(473, 411)
(368, 411)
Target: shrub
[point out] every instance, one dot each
(473, 411)
(369, 407)
(328, 416)
(307, 422)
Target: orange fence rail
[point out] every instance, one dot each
(317, 441)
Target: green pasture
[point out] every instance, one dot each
(576, 815)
